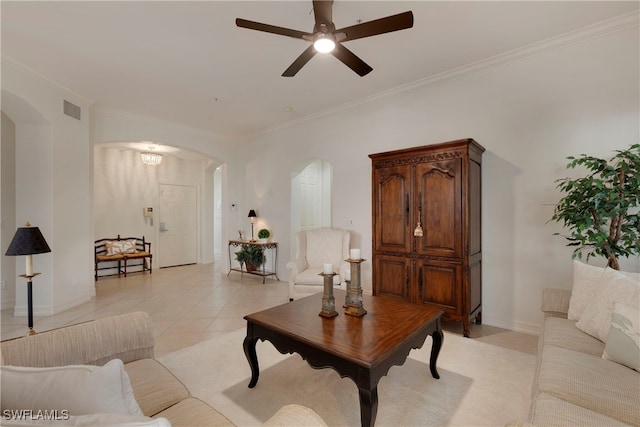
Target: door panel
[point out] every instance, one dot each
(392, 221)
(392, 275)
(439, 204)
(438, 283)
(178, 241)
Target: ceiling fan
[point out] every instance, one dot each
(326, 39)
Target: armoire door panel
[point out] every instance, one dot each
(438, 283)
(392, 275)
(439, 204)
(392, 206)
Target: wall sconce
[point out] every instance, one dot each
(28, 241)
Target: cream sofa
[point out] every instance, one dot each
(130, 337)
(574, 385)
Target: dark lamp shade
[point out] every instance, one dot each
(252, 214)
(28, 241)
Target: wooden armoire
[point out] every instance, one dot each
(427, 243)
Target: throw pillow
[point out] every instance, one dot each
(586, 279)
(128, 247)
(78, 389)
(615, 287)
(623, 340)
(113, 247)
(92, 420)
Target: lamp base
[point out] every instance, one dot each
(31, 332)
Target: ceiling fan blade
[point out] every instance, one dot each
(389, 24)
(258, 26)
(351, 60)
(299, 62)
(322, 13)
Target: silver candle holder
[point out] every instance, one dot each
(328, 300)
(353, 301)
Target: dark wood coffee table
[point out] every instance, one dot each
(361, 348)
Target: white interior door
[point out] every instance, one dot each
(178, 240)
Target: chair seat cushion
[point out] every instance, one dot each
(311, 276)
(138, 255)
(115, 257)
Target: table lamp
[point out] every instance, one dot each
(28, 241)
(252, 215)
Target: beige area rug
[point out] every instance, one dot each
(480, 384)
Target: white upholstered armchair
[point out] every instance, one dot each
(314, 249)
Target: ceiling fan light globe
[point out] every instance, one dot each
(324, 45)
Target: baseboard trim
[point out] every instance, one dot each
(524, 327)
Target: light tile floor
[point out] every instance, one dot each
(189, 304)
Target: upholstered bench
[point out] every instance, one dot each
(115, 253)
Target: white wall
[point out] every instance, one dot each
(124, 185)
(109, 125)
(7, 210)
(529, 115)
(53, 190)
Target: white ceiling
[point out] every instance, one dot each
(187, 62)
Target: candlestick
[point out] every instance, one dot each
(353, 300)
(328, 300)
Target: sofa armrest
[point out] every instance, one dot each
(555, 302)
(127, 337)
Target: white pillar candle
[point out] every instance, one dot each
(327, 268)
(347, 274)
(29, 262)
(354, 253)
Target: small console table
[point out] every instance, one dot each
(262, 271)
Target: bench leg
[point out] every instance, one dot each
(96, 274)
(125, 266)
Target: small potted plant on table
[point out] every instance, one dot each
(263, 235)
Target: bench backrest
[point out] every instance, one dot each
(141, 244)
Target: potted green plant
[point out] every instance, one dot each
(600, 210)
(252, 256)
(263, 235)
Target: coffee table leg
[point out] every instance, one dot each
(435, 351)
(368, 406)
(249, 345)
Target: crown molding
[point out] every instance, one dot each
(77, 97)
(584, 34)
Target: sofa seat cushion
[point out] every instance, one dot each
(550, 411)
(564, 333)
(154, 386)
(591, 382)
(194, 412)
